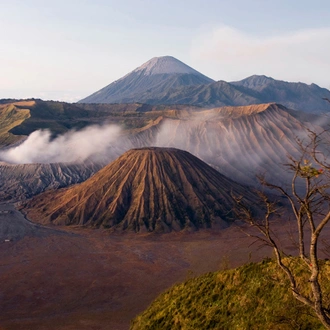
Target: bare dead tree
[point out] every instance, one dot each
(310, 206)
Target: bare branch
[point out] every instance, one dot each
(311, 210)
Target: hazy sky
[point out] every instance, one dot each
(66, 50)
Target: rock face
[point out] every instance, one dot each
(152, 78)
(144, 190)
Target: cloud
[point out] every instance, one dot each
(295, 56)
(73, 146)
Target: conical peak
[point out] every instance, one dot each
(165, 65)
(155, 155)
(147, 189)
(149, 81)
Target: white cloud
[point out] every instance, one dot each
(226, 53)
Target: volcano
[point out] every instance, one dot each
(150, 79)
(166, 80)
(145, 190)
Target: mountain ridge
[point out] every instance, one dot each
(237, 141)
(166, 80)
(294, 95)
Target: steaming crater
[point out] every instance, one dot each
(72, 147)
(239, 142)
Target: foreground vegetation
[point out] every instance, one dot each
(254, 296)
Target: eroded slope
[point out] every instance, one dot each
(149, 189)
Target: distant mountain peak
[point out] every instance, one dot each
(260, 76)
(166, 80)
(165, 65)
(149, 81)
(254, 81)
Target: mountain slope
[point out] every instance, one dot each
(216, 94)
(19, 182)
(165, 80)
(239, 142)
(149, 189)
(11, 116)
(21, 118)
(297, 96)
(254, 296)
(153, 77)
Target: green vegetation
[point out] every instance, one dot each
(254, 296)
(311, 211)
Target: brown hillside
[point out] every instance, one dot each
(148, 189)
(12, 115)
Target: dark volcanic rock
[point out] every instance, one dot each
(22, 181)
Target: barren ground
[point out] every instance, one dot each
(72, 278)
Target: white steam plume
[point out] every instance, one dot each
(73, 146)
